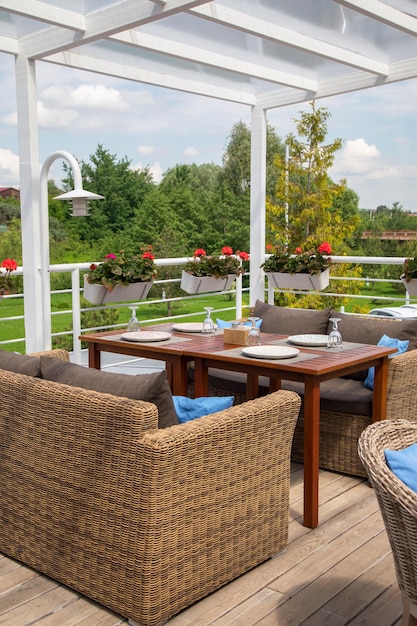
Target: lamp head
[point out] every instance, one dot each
(79, 199)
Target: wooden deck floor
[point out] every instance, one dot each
(340, 573)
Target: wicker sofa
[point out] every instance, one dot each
(144, 520)
(346, 404)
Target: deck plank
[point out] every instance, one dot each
(339, 573)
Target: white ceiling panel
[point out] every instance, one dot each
(267, 52)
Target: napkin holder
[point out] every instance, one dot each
(236, 336)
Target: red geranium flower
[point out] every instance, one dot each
(298, 250)
(227, 250)
(148, 255)
(9, 264)
(200, 252)
(325, 248)
(243, 255)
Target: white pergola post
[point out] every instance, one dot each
(27, 118)
(257, 204)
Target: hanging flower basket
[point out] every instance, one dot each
(204, 284)
(411, 285)
(98, 294)
(302, 282)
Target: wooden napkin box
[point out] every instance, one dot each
(236, 336)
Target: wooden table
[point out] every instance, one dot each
(170, 352)
(312, 367)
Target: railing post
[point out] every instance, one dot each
(76, 315)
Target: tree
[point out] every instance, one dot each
(236, 159)
(305, 187)
(123, 189)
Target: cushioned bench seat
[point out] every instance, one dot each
(345, 403)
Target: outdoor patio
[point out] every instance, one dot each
(341, 572)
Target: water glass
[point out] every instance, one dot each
(133, 323)
(254, 334)
(335, 338)
(208, 324)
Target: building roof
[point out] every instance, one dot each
(269, 53)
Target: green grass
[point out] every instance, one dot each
(189, 310)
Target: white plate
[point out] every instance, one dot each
(309, 340)
(146, 335)
(188, 327)
(270, 352)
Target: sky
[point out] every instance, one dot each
(160, 128)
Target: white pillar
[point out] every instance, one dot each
(30, 202)
(257, 204)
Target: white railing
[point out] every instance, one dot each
(238, 306)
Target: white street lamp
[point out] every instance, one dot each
(79, 198)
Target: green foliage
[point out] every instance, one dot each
(305, 188)
(237, 159)
(216, 265)
(312, 261)
(122, 269)
(410, 269)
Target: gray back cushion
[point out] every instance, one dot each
(20, 363)
(286, 321)
(148, 387)
(370, 329)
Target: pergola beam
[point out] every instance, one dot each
(383, 13)
(101, 24)
(288, 37)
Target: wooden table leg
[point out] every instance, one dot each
(94, 356)
(379, 401)
(177, 374)
(200, 378)
(252, 386)
(311, 451)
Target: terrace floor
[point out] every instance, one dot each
(341, 572)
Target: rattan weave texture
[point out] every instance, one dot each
(398, 503)
(144, 521)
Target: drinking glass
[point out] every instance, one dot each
(254, 335)
(208, 324)
(335, 338)
(133, 323)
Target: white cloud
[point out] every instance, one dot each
(146, 149)
(358, 157)
(156, 170)
(9, 168)
(85, 97)
(190, 152)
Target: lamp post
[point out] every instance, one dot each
(79, 198)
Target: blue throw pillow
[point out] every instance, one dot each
(224, 324)
(403, 463)
(389, 342)
(190, 408)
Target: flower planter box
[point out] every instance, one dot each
(97, 294)
(411, 286)
(204, 284)
(303, 282)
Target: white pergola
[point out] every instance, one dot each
(262, 53)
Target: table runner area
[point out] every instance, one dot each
(237, 352)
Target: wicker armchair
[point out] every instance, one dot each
(142, 520)
(398, 504)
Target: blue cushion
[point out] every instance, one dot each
(389, 342)
(190, 408)
(224, 324)
(404, 464)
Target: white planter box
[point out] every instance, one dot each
(203, 284)
(304, 282)
(410, 286)
(97, 294)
